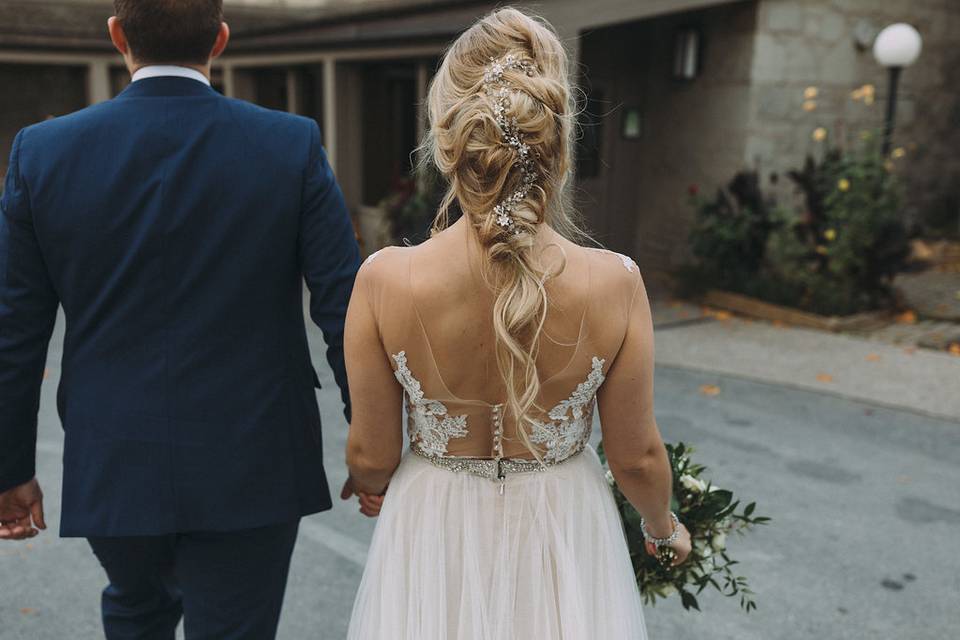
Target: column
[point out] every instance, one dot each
(293, 91)
(229, 81)
(330, 110)
(98, 81)
(423, 80)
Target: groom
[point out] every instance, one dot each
(175, 227)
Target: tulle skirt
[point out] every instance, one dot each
(452, 559)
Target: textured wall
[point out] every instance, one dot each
(693, 131)
(810, 43)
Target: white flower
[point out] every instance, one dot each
(666, 590)
(719, 541)
(702, 547)
(693, 484)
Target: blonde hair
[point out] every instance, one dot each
(468, 147)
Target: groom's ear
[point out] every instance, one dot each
(117, 36)
(223, 37)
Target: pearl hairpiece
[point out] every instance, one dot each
(497, 87)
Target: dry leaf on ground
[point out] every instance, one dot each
(824, 377)
(907, 317)
(873, 357)
(709, 389)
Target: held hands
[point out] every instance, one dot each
(21, 512)
(370, 504)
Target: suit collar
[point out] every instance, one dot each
(166, 87)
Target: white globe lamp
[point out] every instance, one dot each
(896, 47)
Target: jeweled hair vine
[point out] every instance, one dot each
(501, 117)
(498, 89)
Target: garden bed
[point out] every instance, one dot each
(754, 308)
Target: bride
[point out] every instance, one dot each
(500, 335)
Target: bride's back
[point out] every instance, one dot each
(434, 310)
(500, 336)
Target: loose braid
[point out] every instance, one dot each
(467, 142)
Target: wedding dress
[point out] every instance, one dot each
(477, 540)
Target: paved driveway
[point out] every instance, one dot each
(864, 500)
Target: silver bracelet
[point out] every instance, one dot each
(662, 542)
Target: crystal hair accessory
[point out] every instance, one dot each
(498, 89)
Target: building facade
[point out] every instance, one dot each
(676, 92)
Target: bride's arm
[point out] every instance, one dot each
(631, 439)
(375, 442)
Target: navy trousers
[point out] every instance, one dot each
(225, 585)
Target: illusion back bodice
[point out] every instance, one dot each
(434, 314)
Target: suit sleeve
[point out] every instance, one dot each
(329, 256)
(28, 310)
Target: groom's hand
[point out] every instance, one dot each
(370, 505)
(21, 512)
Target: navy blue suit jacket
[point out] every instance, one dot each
(175, 227)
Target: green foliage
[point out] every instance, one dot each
(710, 514)
(731, 231)
(836, 255)
(411, 207)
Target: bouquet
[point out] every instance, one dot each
(710, 514)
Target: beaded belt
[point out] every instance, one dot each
(495, 469)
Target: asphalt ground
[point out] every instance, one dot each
(863, 497)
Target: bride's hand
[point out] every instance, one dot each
(681, 547)
(370, 505)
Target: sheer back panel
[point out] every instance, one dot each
(434, 313)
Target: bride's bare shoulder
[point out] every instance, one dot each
(384, 265)
(612, 269)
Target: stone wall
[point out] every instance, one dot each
(811, 43)
(693, 132)
(32, 93)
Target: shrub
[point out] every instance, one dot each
(836, 255)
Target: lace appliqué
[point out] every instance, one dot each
(627, 261)
(571, 420)
(373, 256)
(628, 264)
(430, 426)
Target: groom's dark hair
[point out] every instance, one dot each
(170, 31)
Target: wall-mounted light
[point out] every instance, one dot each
(686, 53)
(631, 126)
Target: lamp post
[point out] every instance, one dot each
(896, 47)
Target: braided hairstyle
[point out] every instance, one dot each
(501, 114)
